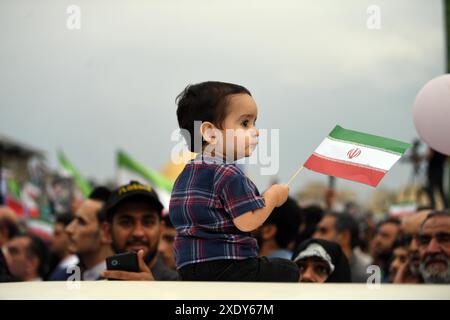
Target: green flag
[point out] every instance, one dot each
(13, 188)
(82, 184)
(129, 169)
(124, 161)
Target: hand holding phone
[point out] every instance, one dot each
(127, 261)
(127, 266)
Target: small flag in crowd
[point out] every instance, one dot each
(399, 210)
(356, 156)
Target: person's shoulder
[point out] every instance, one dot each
(226, 172)
(185, 173)
(362, 258)
(163, 273)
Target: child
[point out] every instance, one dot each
(214, 206)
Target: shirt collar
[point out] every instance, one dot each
(69, 261)
(203, 157)
(94, 272)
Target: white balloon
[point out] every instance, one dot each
(431, 113)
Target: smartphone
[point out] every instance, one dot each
(127, 261)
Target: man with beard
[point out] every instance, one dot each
(409, 272)
(434, 248)
(382, 245)
(133, 214)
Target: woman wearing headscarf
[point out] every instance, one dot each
(321, 261)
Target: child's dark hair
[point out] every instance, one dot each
(206, 101)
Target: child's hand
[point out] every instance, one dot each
(275, 196)
(281, 192)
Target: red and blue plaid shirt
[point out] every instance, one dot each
(207, 196)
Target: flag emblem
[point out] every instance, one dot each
(353, 153)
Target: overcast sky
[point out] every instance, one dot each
(309, 64)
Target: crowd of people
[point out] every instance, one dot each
(326, 246)
(220, 228)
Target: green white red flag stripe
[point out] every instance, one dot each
(40, 228)
(356, 156)
(402, 209)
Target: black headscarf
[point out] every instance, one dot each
(341, 272)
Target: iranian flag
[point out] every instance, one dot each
(356, 156)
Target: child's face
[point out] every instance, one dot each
(238, 136)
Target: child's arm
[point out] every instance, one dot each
(274, 197)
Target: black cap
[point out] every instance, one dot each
(132, 190)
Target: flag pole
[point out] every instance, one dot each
(295, 175)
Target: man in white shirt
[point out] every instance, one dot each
(86, 237)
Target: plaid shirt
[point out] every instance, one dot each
(206, 197)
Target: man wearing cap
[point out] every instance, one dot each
(133, 214)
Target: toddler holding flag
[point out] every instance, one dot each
(214, 206)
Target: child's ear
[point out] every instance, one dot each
(208, 131)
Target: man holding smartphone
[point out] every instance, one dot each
(133, 221)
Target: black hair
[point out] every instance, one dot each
(10, 225)
(312, 215)
(388, 220)
(38, 248)
(345, 222)
(442, 213)
(64, 218)
(287, 219)
(167, 221)
(402, 241)
(100, 193)
(206, 101)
